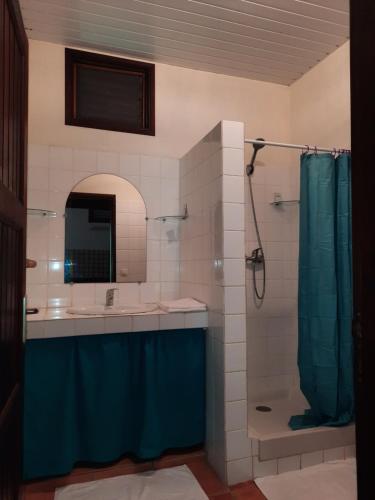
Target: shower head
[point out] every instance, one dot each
(257, 147)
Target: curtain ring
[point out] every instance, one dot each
(316, 150)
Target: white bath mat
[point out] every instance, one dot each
(176, 483)
(328, 481)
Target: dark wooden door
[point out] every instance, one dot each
(13, 145)
(363, 172)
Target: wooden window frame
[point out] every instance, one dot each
(74, 58)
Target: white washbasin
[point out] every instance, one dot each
(112, 311)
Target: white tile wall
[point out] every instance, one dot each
(261, 468)
(53, 172)
(273, 373)
(265, 468)
(54, 323)
(310, 459)
(212, 249)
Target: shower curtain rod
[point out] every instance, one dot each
(303, 147)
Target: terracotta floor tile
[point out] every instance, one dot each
(247, 491)
(176, 459)
(207, 478)
(39, 496)
(222, 496)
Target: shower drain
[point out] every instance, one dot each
(263, 409)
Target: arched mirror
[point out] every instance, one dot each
(105, 232)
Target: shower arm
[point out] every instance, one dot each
(303, 147)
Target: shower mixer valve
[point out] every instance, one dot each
(256, 257)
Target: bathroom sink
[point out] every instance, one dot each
(112, 311)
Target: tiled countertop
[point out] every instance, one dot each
(56, 322)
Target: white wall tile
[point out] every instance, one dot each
(233, 216)
(234, 245)
(310, 459)
(37, 248)
(59, 295)
(235, 300)
(288, 464)
(169, 291)
(55, 248)
(118, 324)
(238, 445)
(38, 155)
(130, 165)
(235, 328)
(60, 158)
(60, 328)
(108, 162)
(55, 272)
(234, 272)
(150, 166)
(150, 292)
(35, 329)
(264, 468)
(38, 178)
(350, 451)
(170, 168)
(196, 320)
(146, 323)
(129, 293)
(36, 295)
(235, 386)
(233, 162)
(169, 250)
(153, 271)
(334, 454)
(239, 471)
(60, 180)
(233, 189)
(255, 447)
(37, 275)
(235, 357)
(89, 326)
(232, 134)
(172, 321)
(37, 198)
(236, 415)
(83, 294)
(85, 160)
(169, 271)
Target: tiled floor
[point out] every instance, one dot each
(196, 461)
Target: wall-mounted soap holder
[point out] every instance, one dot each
(278, 201)
(166, 218)
(40, 212)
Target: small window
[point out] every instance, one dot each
(109, 93)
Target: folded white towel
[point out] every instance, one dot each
(182, 305)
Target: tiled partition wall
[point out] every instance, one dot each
(212, 249)
(272, 324)
(53, 172)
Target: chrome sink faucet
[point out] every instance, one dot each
(109, 297)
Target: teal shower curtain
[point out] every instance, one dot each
(325, 356)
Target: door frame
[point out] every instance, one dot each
(363, 190)
(13, 137)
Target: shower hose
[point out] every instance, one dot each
(259, 258)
